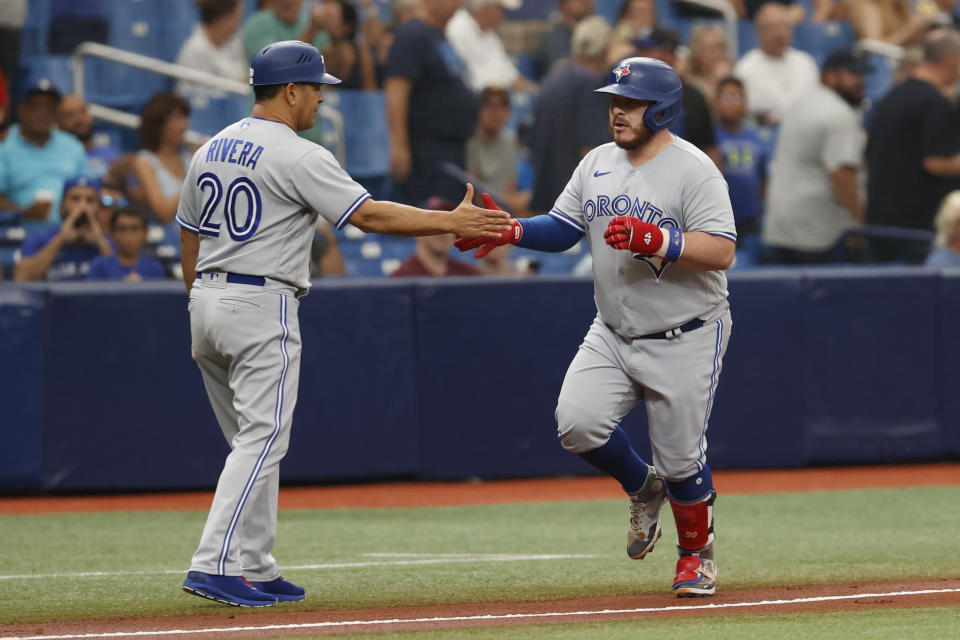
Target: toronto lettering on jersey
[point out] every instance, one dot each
(624, 205)
(234, 151)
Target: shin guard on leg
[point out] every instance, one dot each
(696, 569)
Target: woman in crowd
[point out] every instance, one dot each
(709, 60)
(635, 19)
(161, 163)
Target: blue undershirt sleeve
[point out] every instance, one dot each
(546, 233)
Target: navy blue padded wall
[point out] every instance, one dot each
(23, 328)
(125, 403)
(757, 418)
(950, 358)
(356, 415)
(490, 359)
(871, 381)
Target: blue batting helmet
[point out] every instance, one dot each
(289, 61)
(648, 79)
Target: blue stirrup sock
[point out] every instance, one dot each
(697, 487)
(618, 459)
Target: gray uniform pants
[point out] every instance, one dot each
(246, 340)
(677, 378)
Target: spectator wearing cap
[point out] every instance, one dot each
(215, 46)
(492, 151)
(946, 246)
(775, 74)
(472, 32)
(913, 149)
(744, 156)
(814, 192)
(285, 20)
(569, 118)
(36, 159)
(695, 124)
(73, 116)
(65, 251)
(128, 227)
(431, 112)
(557, 43)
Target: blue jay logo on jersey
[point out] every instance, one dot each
(603, 206)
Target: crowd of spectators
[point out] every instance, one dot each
(808, 160)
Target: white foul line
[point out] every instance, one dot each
(419, 559)
(505, 616)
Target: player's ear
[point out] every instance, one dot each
(290, 93)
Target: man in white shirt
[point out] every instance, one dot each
(775, 74)
(472, 32)
(215, 46)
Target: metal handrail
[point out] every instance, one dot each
(179, 72)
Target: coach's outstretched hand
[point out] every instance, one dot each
(634, 235)
(511, 235)
(470, 221)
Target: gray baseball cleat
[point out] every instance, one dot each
(645, 504)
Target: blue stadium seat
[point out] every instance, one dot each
(746, 36)
(210, 115)
(608, 9)
(33, 37)
(879, 81)
(179, 20)
(819, 39)
(365, 129)
(521, 109)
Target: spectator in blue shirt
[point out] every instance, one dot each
(744, 157)
(36, 159)
(74, 117)
(129, 230)
(65, 251)
(946, 247)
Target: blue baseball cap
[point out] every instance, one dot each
(80, 181)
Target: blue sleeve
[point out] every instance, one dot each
(546, 233)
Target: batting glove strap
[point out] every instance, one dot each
(673, 245)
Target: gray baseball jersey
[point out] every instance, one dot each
(614, 368)
(253, 193)
(680, 187)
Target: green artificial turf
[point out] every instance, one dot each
(939, 623)
(774, 539)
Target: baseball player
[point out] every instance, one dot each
(658, 219)
(247, 213)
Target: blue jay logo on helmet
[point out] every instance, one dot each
(650, 80)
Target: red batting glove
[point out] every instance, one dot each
(486, 245)
(631, 234)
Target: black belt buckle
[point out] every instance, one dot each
(676, 332)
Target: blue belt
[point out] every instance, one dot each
(693, 325)
(241, 278)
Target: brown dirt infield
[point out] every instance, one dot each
(591, 610)
(431, 494)
(441, 494)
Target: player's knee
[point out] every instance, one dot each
(581, 429)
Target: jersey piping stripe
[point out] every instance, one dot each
(728, 236)
(353, 207)
(186, 225)
(713, 385)
(562, 217)
(278, 421)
